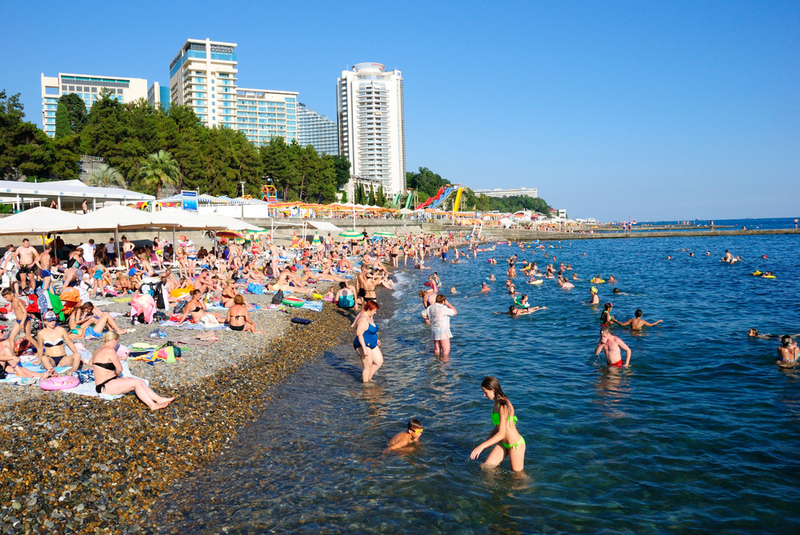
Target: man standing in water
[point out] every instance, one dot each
(611, 345)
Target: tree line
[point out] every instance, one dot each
(146, 148)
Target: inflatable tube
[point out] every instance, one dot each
(767, 276)
(597, 281)
(536, 282)
(293, 301)
(756, 273)
(59, 383)
(181, 292)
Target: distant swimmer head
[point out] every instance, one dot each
(415, 426)
(638, 313)
(764, 257)
(607, 306)
(752, 332)
(594, 290)
(615, 290)
(786, 340)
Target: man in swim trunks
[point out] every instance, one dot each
(636, 322)
(111, 252)
(43, 263)
(23, 321)
(25, 258)
(611, 345)
(445, 248)
(127, 252)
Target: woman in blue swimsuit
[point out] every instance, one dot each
(504, 437)
(366, 342)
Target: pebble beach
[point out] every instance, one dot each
(74, 464)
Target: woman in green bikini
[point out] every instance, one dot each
(504, 437)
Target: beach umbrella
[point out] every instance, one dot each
(316, 240)
(229, 234)
(384, 234)
(295, 240)
(39, 220)
(351, 234)
(406, 211)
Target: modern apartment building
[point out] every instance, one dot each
(157, 95)
(497, 192)
(263, 114)
(203, 76)
(371, 130)
(88, 87)
(316, 130)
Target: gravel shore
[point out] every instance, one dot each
(72, 464)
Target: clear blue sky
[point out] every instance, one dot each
(653, 110)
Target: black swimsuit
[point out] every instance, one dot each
(108, 366)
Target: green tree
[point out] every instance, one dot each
(360, 197)
(380, 198)
(67, 157)
(76, 110)
(62, 121)
(158, 170)
(105, 177)
(25, 151)
(342, 166)
(344, 196)
(371, 199)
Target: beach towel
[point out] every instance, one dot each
(12, 379)
(88, 389)
(143, 304)
(316, 306)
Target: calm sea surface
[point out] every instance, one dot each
(700, 435)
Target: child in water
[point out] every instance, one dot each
(407, 438)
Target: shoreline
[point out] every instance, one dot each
(72, 464)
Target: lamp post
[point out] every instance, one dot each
(242, 183)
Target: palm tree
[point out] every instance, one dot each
(106, 176)
(159, 169)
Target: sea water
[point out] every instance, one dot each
(701, 434)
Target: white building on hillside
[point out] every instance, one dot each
(263, 114)
(316, 130)
(88, 87)
(371, 126)
(497, 192)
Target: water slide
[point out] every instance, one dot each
(443, 197)
(457, 202)
(430, 200)
(408, 201)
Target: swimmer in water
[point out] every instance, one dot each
(787, 351)
(593, 299)
(453, 291)
(491, 277)
(514, 311)
(753, 333)
(669, 257)
(408, 438)
(606, 319)
(636, 322)
(612, 345)
(512, 290)
(611, 278)
(574, 276)
(485, 288)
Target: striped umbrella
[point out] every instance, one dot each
(384, 234)
(316, 240)
(350, 234)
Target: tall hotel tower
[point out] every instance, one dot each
(371, 130)
(203, 76)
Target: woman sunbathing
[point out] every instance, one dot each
(10, 363)
(108, 375)
(92, 321)
(195, 309)
(52, 343)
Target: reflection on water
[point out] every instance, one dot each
(699, 435)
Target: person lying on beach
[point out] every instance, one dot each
(108, 375)
(636, 322)
(787, 351)
(196, 310)
(612, 345)
(93, 321)
(407, 438)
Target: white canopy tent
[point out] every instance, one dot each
(231, 223)
(64, 192)
(39, 220)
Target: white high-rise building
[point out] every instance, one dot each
(203, 76)
(88, 87)
(263, 114)
(316, 130)
(371, 130)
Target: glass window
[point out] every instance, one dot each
(72, 88)
(290, 99)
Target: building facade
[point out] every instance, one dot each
(263, 114)
(316, 130)
(497, 192)
(88, 87)
(369, 103)
(158, 95)
(203, 76)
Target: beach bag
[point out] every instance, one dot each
(85, 375)
(255, 288)
(158, 293)
(277, 299)
(209, 321)
(169, 353)
(179, 307)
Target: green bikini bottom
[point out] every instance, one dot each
(515, 445)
